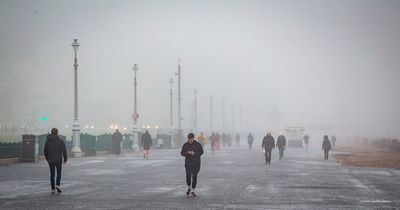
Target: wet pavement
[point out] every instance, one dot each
(234, 178)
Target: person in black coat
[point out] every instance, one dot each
(250, 140)
(281, 144)
(116, 142)
(146, 142)
(192, 150)
(326, 146)
(54, 152)
(268, 144)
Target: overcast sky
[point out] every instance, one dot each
(331, 66)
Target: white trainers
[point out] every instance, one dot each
(58, 189)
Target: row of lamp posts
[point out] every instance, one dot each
(76, 149)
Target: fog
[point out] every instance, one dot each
(330, 66)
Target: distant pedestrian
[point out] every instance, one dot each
(223, 137)
(213, 140)
(281, 144)
(326, 146)
(192, 151)
(333, 140)
(237, 139)
(116, 142)
(306, 138)
(146, 142)
(250, 140)
(54, 152)
(202, 139)
(229, 140)
(218, 142)
(268, 144)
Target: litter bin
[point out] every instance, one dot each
(30, 148)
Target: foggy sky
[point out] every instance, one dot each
(331, 66)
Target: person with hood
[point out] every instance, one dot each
(54, 152)
(192, 151)
(268, 144)
(326, 146)
(281, 144)
(116, 142)
(146, 143)
(250, 140)
(202, 139)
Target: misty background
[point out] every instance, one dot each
(330, 66)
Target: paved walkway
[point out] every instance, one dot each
(235, 178)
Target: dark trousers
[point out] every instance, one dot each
(53, 167)
(268, 155)
(326, 153)
(191, 175)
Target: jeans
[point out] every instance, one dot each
(268, 155)
(280, 154)
(53, 167)
(191, 175)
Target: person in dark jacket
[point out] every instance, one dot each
(116, 142)
(237, 139)
(192, 150)
(54, 152)
(281, 144)
(146, 144)
(306, 138)
(268, 144)
(326, 146)
(250, 140)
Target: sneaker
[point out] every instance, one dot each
(188, 192)
(53, 191)
(193, 194)
(58, 189)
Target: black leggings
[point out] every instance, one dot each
(191, 175)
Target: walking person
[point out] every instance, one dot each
(218, 142)
(326, 146)
(213, 140)
(281, 144)
(250, 140)
(333, 140)
(229, 140)
(54, 152)
(202, 139)
(306, 138)
(237, 139)
(192, 151)
(146, 142)
(116, 142)
(268, 144)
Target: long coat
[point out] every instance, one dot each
(116, 143)
(146, 141)
(281, 142)
(268, 143)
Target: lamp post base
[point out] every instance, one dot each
(78, 154)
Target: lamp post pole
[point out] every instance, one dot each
(180, 132)
(171, 82)
(135, 115)
(76, 149)
(195, 110)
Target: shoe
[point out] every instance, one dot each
(193, 194)
(188, 192)
(269, 163)
(58, 189)
(53, 191)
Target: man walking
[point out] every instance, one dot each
(326, 146)
(250, 139)
(268, 144)
(192, 150)
(146, 143)
(54, 152)
(306, 138)
(281, 144)
(116, 142)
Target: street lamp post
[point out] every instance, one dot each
(171, 82)
(180, 132)
(195, 110)
(76, 149)
(135, 115)
(211, 112)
